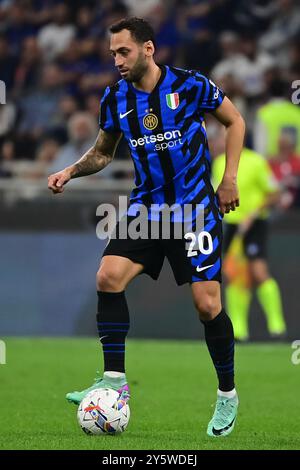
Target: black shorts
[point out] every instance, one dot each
(254, 241)
(189, 264)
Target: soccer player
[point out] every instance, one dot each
(259, 192)
(160, 111)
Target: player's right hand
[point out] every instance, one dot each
(57, 181)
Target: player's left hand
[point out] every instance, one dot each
(228, 195)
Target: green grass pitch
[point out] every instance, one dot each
(173, 388)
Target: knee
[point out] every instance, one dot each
(259, 272)
(108, 280)
(208, 307)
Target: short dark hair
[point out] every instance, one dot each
(139, 28)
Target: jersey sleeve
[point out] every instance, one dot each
(107, 121)
(209, 95)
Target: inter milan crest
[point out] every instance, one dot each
(172, 100)
(150, 121)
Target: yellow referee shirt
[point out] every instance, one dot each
(255, 182)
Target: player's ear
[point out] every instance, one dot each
(149, 48)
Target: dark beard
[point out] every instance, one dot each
(138, 71)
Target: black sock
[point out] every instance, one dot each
(220, 342)
(113, 326)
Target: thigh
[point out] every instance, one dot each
(119, 270)
(198, 256)
(259, 270)
(145, 253)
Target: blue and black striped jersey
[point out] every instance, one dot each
(166, 134)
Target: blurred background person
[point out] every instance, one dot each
(286, 169)
(54, 38)
(82, 131)
(283, 28)
(28, 68)
(276, 115)
(39, 109)
(258, 194)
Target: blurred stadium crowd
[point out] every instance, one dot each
(55, 64)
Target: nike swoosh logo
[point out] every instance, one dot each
(198, 269)
(218, 432)
(102, 337)
(125, 114)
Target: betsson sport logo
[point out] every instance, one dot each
(162, 141)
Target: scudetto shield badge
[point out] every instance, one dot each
(172, 100)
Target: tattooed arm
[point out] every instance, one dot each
(94, 160)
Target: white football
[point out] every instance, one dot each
(102, 411)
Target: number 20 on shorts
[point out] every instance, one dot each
(202, 237)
